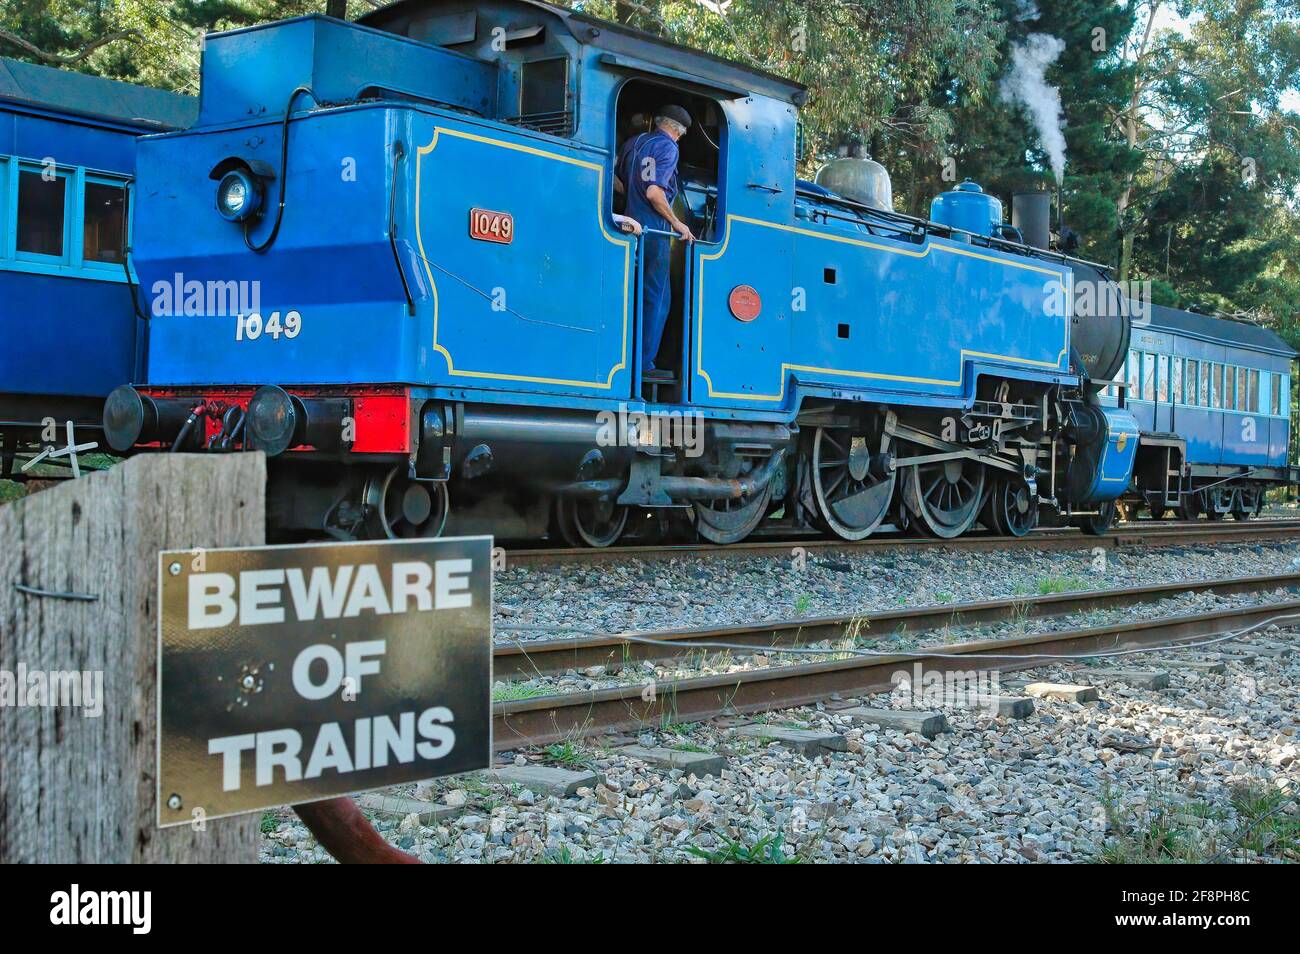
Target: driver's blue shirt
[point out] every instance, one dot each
(653, 162)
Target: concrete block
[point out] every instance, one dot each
(430, 813)
(807, 741)
(691, 763)
(1061, 691)
(1130, 677)
(928, 724)
(547, 779)
(1008, 707)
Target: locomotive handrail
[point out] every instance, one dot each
(399, 152)
(930, 226)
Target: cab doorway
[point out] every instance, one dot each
(695, 201)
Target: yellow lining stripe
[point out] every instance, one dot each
(726, 240)
(600, 219)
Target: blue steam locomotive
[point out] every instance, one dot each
(387, 255)
(67, 155)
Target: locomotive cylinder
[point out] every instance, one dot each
(536, 445)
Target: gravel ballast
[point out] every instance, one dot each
(631, 595)
(1072, 782)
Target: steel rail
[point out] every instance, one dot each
(525, 659)
(1055, 538)
(546, 719)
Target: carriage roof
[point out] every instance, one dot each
(94, 97)
(1230, 331)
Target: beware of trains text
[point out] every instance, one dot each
(290, 674)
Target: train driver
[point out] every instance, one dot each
(646, 172)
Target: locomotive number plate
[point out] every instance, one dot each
(488, 226)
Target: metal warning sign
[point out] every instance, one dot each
(288, 674)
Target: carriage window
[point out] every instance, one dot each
(1162, 377)
(1252, 393)
(1190, 379)
(42, 201)
(1216, 387)
(105, 220)
(1206, 400)
(1176, 380)
(1134, 370)
(1148, 376)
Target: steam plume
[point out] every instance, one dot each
(1026, 84)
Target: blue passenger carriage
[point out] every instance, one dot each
(436, 302)
(1212, 397)
(70, 331)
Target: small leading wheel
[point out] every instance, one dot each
(1011, 509)
(596, 523)
(1097, 524)
(945, 495)
(398, 508)
(730, 521)
(852, 482)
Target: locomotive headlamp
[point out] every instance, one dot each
(239, 195)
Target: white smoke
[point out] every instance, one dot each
(1026, 84)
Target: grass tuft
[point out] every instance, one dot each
(768, 850)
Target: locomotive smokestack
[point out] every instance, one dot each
(338, 9)
(1031, 213)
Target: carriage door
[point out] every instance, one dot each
(1164, 407)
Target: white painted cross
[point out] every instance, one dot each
(70, 452)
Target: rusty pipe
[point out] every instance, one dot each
(347, 834)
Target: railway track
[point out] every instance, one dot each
(545, 719)
(1053, 538)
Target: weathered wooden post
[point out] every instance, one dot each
(79, 596)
